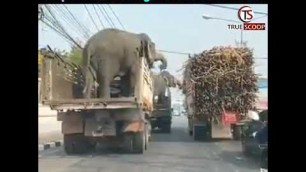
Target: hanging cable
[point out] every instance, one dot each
(98, 17)
(106, 16)
(232, 8)
(56, 26)
(116, 16)
(69, 22)
(81, 26)
(91, 18)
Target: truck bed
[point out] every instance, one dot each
(58, 89)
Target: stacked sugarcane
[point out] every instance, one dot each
(222, 79)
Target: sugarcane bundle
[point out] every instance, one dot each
(222, 79)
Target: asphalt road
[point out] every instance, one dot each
(175, 152)
(49, 129)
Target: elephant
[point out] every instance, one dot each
(112, 53)
(161, 84)
(161, 57)
(172, 81)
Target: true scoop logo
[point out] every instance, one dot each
(246, 15)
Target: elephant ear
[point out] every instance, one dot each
(147, 52)
(166, 80)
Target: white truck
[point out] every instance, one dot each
(120, 121)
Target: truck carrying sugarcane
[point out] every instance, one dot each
(220, 88)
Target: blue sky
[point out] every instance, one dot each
(175, 28)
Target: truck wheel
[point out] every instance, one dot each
(190, 133)
(76, 144)
(139, 142)
(264, 160)
(135, 142)
(201, 133)
(167, 128)
(237, 132)
(245, 150)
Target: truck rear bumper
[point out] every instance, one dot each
(101, 123)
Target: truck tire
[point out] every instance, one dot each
(264, 160)
(201, 133)
(139, 142)
(135, 142)
(167, 128)
(236, 132)
(245, 150)
(190, 133)
(76, 144)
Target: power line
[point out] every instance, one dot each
(81, 26)
(91, 18)
(57, 26)
(106, 16)
(98, 16)
(233, 8)
(69, 21)
(116, 16)
(174, 52)
(184, 53)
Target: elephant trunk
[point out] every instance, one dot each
(160, 57)
(178, 83)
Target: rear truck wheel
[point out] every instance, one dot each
(236, 132)
(190, 133)
(201, 133)
(167, 128)
(264, 160)
(76, 144)
(135, 142)
(245, 150)
(139, 142)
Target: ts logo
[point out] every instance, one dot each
(245, 14)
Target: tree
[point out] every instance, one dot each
(75, 55)
(40, 57)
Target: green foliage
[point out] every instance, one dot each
(75, 55)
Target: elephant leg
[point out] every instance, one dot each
(108, 68)
(104, 85)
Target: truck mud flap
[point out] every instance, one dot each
(135, 126)
(72, 124)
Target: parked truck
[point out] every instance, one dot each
(119, 121)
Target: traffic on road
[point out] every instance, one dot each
(113, 99)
